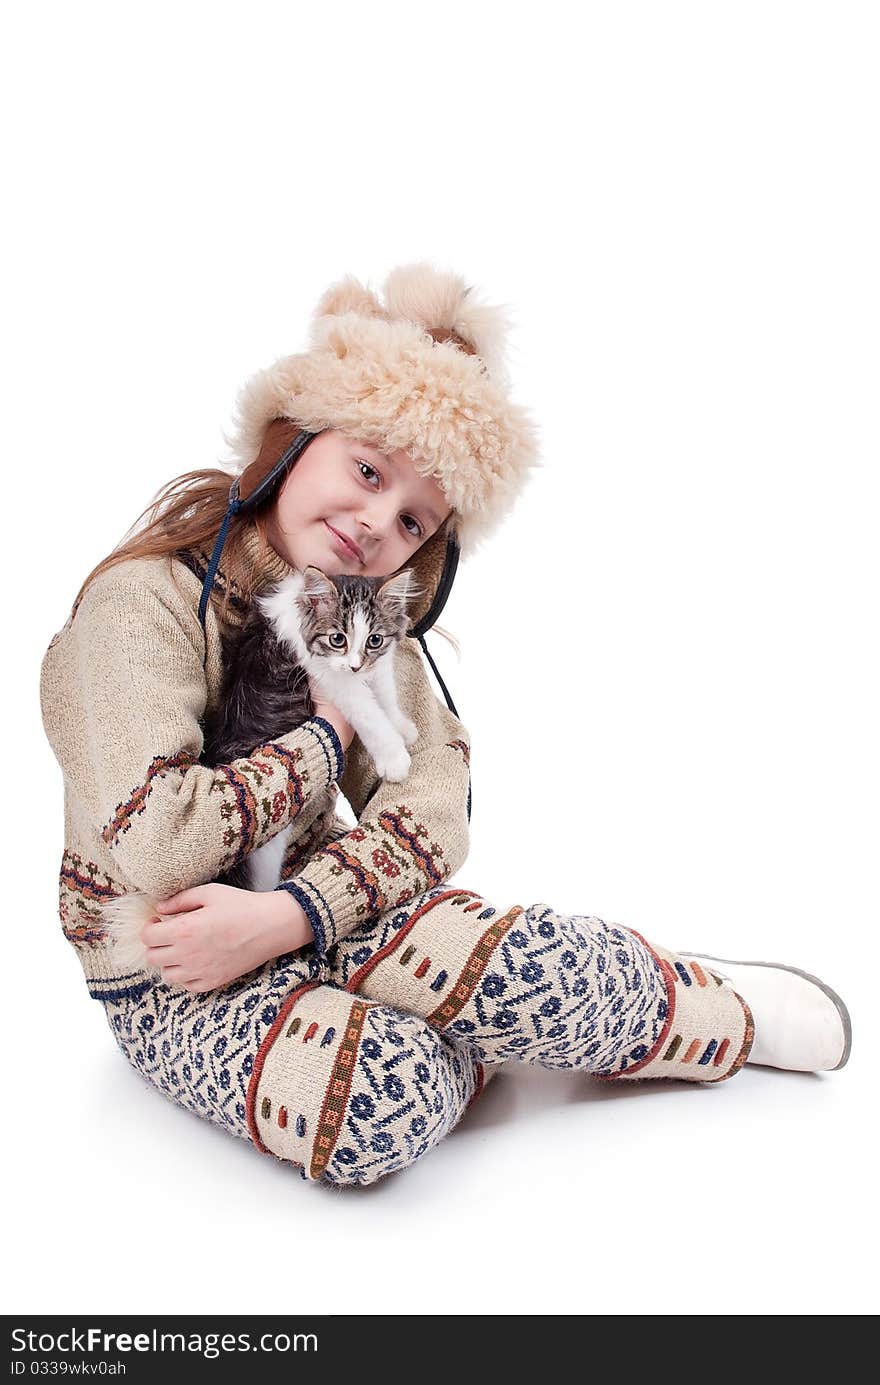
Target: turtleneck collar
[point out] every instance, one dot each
(256, 564)
(256, 567)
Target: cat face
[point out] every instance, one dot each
(351, 622)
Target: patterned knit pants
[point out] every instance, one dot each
(355, 1070)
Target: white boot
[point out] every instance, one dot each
(800, 1023)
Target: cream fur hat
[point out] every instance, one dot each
(421, 369)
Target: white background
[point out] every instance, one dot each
(669, 654)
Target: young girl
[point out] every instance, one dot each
(345, 1021)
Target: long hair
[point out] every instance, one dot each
(188, 511)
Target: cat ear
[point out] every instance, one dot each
(400, 589)
(316, 586)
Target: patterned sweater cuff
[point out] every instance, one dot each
(330, 744)
(316, 911)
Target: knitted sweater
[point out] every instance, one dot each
(124, 688)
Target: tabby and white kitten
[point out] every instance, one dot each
(343, 633)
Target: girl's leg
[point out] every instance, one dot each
(563, 991)
(346, 1089)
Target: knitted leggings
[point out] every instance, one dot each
(357, 1069)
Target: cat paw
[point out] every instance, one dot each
(393, 767)
(408, 730)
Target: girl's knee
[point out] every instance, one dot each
(350, 1091)
(346, 1089)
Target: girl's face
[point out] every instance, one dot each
(341, 489)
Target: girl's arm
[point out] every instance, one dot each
(410, 836)
(123, 692)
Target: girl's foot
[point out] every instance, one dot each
(800, 1023)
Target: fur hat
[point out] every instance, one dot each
(422, 370)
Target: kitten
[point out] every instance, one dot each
(343, 632)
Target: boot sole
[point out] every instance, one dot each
(807, 976)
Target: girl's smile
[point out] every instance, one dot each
(347, 545)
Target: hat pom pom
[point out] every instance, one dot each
(420, 293)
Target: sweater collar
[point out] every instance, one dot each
(255, 565)
(258, 562)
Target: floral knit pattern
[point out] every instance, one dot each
(410, 1088)
(374, 867)
(353, 1066)
(564, 991)
(409, 1085)
(199, 1049)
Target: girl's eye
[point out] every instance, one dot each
(375, 641)
(415, 532)
(337, 640)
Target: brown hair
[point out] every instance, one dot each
(188, 511)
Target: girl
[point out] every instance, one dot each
(346, 1020)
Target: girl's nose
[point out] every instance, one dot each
(379, 516)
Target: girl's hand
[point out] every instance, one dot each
(330, 712)
(213, 934)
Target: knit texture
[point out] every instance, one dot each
(351, 1058)
(360, 1076)
(374, 1089)
(344, 1091)
(124, 689)
(560, 990)
(708, 1030)
(529, 984)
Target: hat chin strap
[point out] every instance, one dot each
(262, 493)
(208, 584)
(450, 566)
